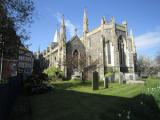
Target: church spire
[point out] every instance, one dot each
(62, 47)
(85, 22)
(75, 31)
(63, 23)
(103, 20)
(63, 29)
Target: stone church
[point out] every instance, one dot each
(108, 47)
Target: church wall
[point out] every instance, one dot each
(127, 48)
(75, 45)
(94, 48)
(52, 57)
(95, 53)
(54, 61)
(109, 38)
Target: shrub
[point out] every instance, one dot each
(54, 72)
(35, 83)
(108, 74)
(43, 76)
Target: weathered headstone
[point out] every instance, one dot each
(112, 78)
(122, 78)
(159, 74)
(106, 81)
(95, 83)
(82, 77)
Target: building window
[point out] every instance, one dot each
(121, 50)
(109, 52)
(75, 59)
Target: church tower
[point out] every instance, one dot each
(85, 27)
(62, 47)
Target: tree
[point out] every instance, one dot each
(9, 37)
(17, 12)
(146, 65)
(158, 58)
(14, 15)
(20, 11)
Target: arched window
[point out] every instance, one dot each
(75, 59)
(121, 50)
(109, 52)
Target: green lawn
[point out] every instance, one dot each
(115, 89)
(72, 100)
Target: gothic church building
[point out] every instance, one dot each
(108, 47)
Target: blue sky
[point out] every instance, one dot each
(143, 18)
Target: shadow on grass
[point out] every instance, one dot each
(70, 105)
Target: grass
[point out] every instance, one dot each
(115, 89)
(153, 88)
(72, 100)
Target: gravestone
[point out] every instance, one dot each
(159, 74)
(106, 81)
(122, 78)
(82, 77)
(95, 84)
(113, 78)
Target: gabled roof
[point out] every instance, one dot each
(74, 38)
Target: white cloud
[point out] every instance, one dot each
(69, 25)
(58, 17)
(55, 37)
(148, 40)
